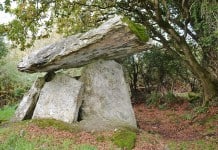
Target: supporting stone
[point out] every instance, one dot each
(106, 100)
(28, 103)
(59, 99)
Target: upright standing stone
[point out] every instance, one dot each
(59, 99)
(106, 100)
(28, 103)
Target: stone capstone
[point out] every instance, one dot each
(106, 100)
(111, 40)
(59, 99)
(28, 103)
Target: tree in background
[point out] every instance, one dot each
(183, 30)
(187, 29)
(156, 71)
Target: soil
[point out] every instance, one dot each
(155, 128)
(177, 123)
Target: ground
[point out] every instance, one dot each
(177, 123)
(175, 128)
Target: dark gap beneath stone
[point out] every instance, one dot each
(80, 114)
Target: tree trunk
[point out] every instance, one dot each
(206, 78)
(209, 90)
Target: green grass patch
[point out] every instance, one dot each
(60, 125)
(50, 143)
(16, 142)
(85, 147)
(124, 139)
(7, 112)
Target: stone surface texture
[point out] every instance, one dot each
(28, 103)
(112, 40)
(106, 100)
(59, 99)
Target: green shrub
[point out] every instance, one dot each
(154, 99)
(124, 139)
(193, 97)
(200, 109)
(162, 101)
(187, 116)
(169, 98)
(13, 83)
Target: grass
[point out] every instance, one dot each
(11, 138)
(193, 145)
(7, 112)
(85, 147)
(16, 142)
(124, 139)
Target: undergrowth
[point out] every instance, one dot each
(13, 83)
(162, 101)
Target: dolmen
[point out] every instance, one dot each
(99, 99)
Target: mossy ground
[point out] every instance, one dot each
(44, 123)
(124, 139)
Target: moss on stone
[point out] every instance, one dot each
(60, 125)
(138, 29)
(124, 139)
